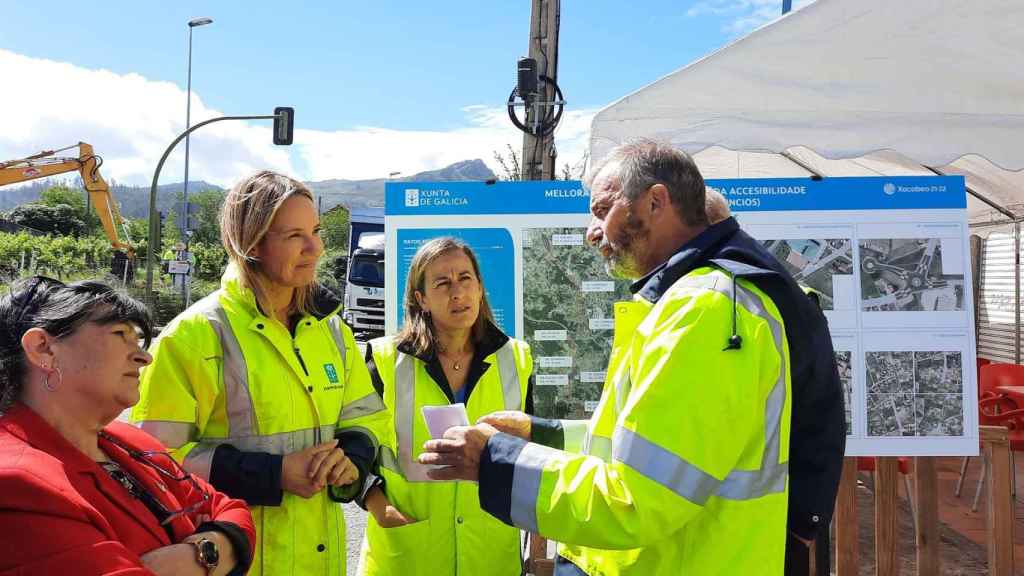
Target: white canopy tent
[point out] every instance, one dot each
(863, 88)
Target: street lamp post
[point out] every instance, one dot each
(193, 23)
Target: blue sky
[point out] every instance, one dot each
(377, 86)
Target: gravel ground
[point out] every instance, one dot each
(355, 524)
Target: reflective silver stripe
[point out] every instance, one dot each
(663, 467)
(280, 443)
(574, 434)
(526, 476)
(599, 446)
(750, 484)
(509, 374)
(238, 402)
(389, 460)
(173, 435)
(405, 412)
(688, 480)
(365, 406)
(622, 387)
(339, 338)
(199, 460)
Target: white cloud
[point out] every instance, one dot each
(744, 15)
(130, 120)
(373, 152)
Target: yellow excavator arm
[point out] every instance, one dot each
(46, 163)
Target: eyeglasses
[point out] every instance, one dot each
(167, 467)
(31, 290)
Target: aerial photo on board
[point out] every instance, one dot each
(567, 319)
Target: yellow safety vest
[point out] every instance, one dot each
(452, 535)
(683, 468)
(223, 373)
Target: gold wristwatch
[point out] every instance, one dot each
(207, 553)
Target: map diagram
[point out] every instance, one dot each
(907, 275)
(814, 263)
(914, 393)
(845, 366)
(567, 319)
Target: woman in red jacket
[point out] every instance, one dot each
(79, 492)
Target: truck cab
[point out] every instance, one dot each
(364, 278)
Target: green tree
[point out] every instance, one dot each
(171, 234)
(206, 219)
(60, 220)
(210, 260)
(334, 228)
(75, 198)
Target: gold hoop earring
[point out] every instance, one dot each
(46, 380)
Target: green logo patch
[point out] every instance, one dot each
(332, 374)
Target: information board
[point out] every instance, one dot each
(888, 258)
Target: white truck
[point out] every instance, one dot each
(364, 279)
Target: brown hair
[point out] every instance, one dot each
(249, 209)
(418, 329)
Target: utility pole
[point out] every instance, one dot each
(539, 153)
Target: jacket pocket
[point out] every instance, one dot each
(402, 550)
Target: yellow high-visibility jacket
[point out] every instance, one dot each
(232, 391)
(452, 536)
(683, 467)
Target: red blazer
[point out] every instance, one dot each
(61, 513)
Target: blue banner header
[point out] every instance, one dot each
(744, 195)
(860, 193)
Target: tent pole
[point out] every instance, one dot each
(815, 175)
(991, 204)
(1016, 291)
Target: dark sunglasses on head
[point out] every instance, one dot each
(33, 287)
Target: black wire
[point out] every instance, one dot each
(543, 127)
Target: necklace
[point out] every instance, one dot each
(456, 362)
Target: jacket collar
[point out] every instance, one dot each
(492, 341)
(25, 424)
(22, 422)
(690, 256)
(325, 302)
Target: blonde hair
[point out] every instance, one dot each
(249, 209)
(418, 329)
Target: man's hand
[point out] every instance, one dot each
(510, 422)
(297, 473)
(386, 515)
(459, 452)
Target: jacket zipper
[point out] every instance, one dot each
(309, 394)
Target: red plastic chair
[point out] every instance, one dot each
(991, 376)
(867, 464)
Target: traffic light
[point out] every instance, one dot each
(284, 125)
(159, 242)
